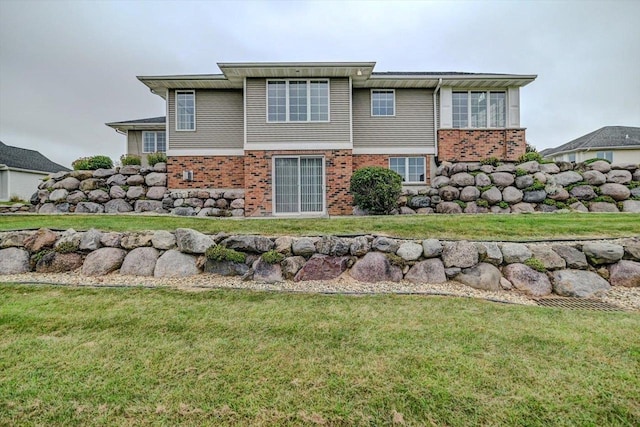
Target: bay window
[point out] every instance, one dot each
(479, 109)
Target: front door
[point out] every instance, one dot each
(298, 185)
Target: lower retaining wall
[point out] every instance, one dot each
(578, 269)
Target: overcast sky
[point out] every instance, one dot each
(66, 68)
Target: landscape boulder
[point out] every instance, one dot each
(375, 267)
(103, 261)
(192, 241)
(527, 280)
(55, 262)
(482, 276)
(174, 263)
(461, 254)
(578, 283)
(140, 262)
(428, 271)
(14, 261)
(603, 253)
(322, 267)
(625, 273)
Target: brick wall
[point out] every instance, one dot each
(465, 145)
(258, 180)
(208, 171)
(363, 160)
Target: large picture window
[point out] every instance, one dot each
(154, 142)
(474, 109)
(411, 169)
(185, 110)
(298, 101)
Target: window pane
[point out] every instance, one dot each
(398, 165)
(286, 177)
(185, 110)
(460, 109)
(277, 101)
(319, 91)
(478, 110)
(161, 142)
(498, 110)
(382, 103)
(149, 142)
(298, 101)
(311, 195)
(416, 169)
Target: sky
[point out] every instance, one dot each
(68, 67)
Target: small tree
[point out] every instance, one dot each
(376, 189)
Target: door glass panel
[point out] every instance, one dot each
(286, 180)
(311, 194)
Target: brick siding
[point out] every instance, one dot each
(208, 171)
(363, 160)
(465, 145)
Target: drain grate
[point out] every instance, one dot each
(577, 304)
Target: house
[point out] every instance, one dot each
(617, 144)
(144, 136)
(291, 134)
(21, 171)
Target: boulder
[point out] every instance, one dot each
(578, 283)
(89, 207)
(226, 268)
(615, 191)
(81, 175)
(469, 194)
(461, 254)
(548, 257)
(237, 213)
(111, 240)
(502, 179)
(116, 192)
(524, 181)
(630, 166)
(482, 180)
(359, 246)
(291, 266)
(92, 184)
(559, 195)
(63, 207)
(156, 179)
(375, 267)
(550, 168)
(492, 195)
(192, 241)
(234, 194)
(265, 272)
(515, 253)
(140, 262)
(404, 210)
(283, 245)
(462, 179)
(482, 276)
(431, 248)
(303, 247)
(68, 184)
(183, 211)
(527, 280)
(99, 196)
(135, 180)
(135, 192)
(428, 271)
(457, 168)
(322, 267)
(117, 179)
(631, 206)
(58, 195)
(148, 206)
(530, 167)
(499, 210)
(174, 263)
(163, 240)
(43, 238)
(160, 167)
(473, 208)
(420, 202)
(103, 261)
(567, 178)
(409, 251)
(600, 166)
(602, 207)
(632, 249)
(489, 252)
(14, 261)
(594, 177)
(255, 244)
(424, 211)
(440, 181)
(136, 240)
(237, 204)
(583, 192)
(91, 240)
(14, 238)
(512, 195)
(449, 193)
(130, 170)
(535, 196)
(156, 193)
(603, 253)
(522, 207)
(69, 236)
(55, 262)
(385, 244)
(448, 208)
(103, 173)
(117, 206)
(332, 245)
(625, 273)
(619, 176)
(578, 207)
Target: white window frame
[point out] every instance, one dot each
(193, 92)
(488, 93)
(393, 91)
(406, 168)
(155, 141)
(324, 186)
(603, 155)
(287, 111)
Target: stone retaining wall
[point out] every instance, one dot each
(131, 189)
(578, 269)
(528, 187)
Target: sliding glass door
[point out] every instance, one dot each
(298, 185)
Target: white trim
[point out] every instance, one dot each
(273, 186)
(12, 169)
(207, 152)
(175, 100)
(395, 151)
(350, 111)
(287, 106)
(307, 145)
(406, 168)
(371, 102)
(244, 110)
(166, 121)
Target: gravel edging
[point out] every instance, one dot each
(625, 298)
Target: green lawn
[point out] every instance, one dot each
(72, 356)
(480, 227)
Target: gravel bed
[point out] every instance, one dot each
(626, 298)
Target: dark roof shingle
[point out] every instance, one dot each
(606, 137)
(22, 158)
(140, 121)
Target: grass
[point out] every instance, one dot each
(478, 227)
(73, 356)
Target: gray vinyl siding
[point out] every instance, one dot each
(219, 121)
(259, 131)
(412, 125)
(134, 142)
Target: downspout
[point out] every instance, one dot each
(435, 117)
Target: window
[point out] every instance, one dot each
(411, 169)
(298, 101)
(606, 155)
(479, 109)
(571, 157)
(299, 184)
(154, 142)
(383, 103)
(185, 110)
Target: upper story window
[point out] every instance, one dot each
(411, 169)
(298, 100)
(154, 142)
(185, 110)
(383, 102)
(474, 109)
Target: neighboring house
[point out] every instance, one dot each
(291, 134)
(21, 171)
(618, 144)
(144, 136)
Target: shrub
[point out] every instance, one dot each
(130, 159)
(530, 156)
(66, 247)
(220, 253)
(81, 164)
(529, 148)
(154, 158)
(549, 202)
(503, 205)
(92, 163)
(482, 203)
(39, 255)
(536, 264)
(376, 189)
(561, 205)
(571, 200)
(272, 257)
(493, 161)
(633, 184)
(595, 159)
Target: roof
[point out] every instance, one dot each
(361, 74)
(151, 123)
(606, 137)
(21, 158)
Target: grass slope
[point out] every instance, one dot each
(487, 227)
(139, 357)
